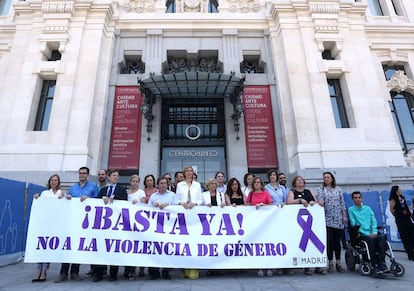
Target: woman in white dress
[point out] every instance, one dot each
(54, 191)
(135, 195)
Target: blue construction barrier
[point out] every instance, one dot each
(14, 210)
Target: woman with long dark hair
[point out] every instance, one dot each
(234, 194)
(403, 219)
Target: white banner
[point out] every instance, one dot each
(90, 232)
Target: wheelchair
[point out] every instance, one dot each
(358, 254)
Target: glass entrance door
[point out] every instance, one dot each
(193, 133)
(206, 161)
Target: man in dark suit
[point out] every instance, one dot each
(113, 191)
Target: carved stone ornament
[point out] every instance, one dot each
(244, 6)
(399, 82)
(192, 5)
(139, 6)
(57, 7)
(324, 8)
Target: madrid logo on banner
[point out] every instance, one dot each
(124, 234)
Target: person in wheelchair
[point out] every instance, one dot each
(363, 216)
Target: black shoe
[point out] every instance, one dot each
(131, 276)
(155, 276)
(377, 270)
(97, 278)
(166, 275)
(112, 278)
(90, 273)
(75, 277)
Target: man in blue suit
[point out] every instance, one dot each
(113, 191)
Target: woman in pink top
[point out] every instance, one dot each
(259, 196)
(149, 186)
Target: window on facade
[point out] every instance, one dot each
(213, 6)
(55, 56)
(5, 6)
(327, 55)
(389, 70)
(203, 118)
(402, 109)
(375, 7)
(338, 106)
(251, 64)
(132, 64)
(45, 105)
(170, 6)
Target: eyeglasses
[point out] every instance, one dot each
(167, 178)
(257, 182)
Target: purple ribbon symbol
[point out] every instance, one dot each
(308, 234)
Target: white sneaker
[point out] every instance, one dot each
(260, 273)
(269, 273)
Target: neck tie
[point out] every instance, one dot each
(110, 190)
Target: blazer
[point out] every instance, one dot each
(119, 192)
(220, 197)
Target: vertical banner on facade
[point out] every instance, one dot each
(258, 122)
(126, 129)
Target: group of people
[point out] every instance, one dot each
(186, 191)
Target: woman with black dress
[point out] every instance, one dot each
(403, 219)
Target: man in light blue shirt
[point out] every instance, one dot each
(83, 188)
(161, 199)
(363, 216)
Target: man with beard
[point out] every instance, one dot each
(178, 177)
(282, 182)
(102, 182)
(102, 178)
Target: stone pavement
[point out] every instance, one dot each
(18, 277)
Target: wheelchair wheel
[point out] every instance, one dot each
(397, 269)
(365, 268)
(350, 260)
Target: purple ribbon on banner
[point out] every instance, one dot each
(308, 234)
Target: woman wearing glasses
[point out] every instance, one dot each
(299, 195)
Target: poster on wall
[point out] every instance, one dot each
(259, 130)
(126, 129)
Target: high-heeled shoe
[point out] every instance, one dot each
(42, 277)
(37, 277)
